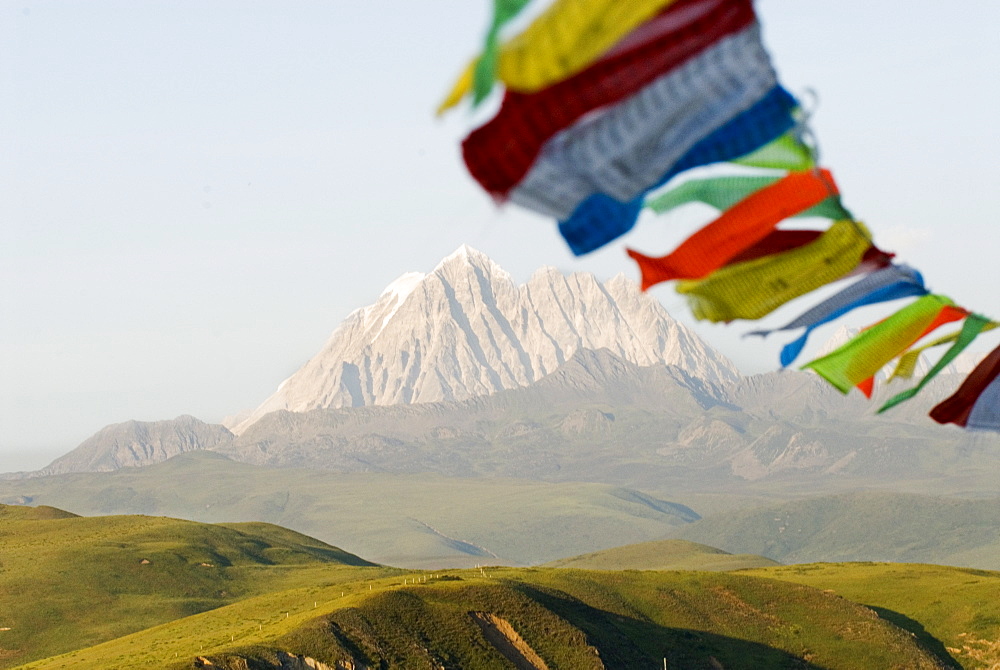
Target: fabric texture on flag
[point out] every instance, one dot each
(985, 414)
(787, 152)
(891, 283)
(625, 150)
(499, 153)
(865, 354)
(755, 288)
(958, 407)
(738, 228)
(947, 314)
(601, 218)
(973, 326)
(563, 40)
(724, 192)
(907, 363)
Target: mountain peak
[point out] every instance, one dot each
(467, 329)
(465, 255)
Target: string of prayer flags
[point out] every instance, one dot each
(607, 101)
(625, 150)
(566, 38)
(499, 153)
(946, 315)
(974, 324)
(980, 386)
(602, 218)
(891, 283)
(753, 289)
(861, 357)
(749, 221)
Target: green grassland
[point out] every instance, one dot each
(68, 582)
(571, 619)
(953, 610)
(428, 521)
(663, 555)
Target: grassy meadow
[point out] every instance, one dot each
(68, 582)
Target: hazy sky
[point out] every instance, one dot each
(194, 194)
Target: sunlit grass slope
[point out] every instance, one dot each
(955, 611)
(570, 619)
(663, 555)
(68, 582)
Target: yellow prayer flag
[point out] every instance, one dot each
(755, 288)
(568, 37)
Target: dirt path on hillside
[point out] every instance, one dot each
(505, 639)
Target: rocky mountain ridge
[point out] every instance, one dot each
(467, 329)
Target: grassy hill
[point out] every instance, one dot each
(662, 555)
(69, 581)
(531, 618)
(954, 611)
(863, 526)
(429, 520)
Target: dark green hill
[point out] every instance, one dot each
(662, 555)
(864, 526)
(528, 619)
(69, 581)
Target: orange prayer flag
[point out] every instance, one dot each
(738, 228)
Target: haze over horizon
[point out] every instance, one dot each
(196, 195)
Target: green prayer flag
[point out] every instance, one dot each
(724, 192)
(974, 324)
(486, 67)
(785, 153)
(865, 354)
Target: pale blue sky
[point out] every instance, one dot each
(194, 194)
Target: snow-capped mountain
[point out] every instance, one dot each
(467, 329)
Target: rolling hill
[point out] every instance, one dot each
(662, 555)
(861, 526)
(528, 619)
(428, 520)
(68, 581)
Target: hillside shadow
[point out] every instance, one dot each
(631, 642)
(925, 639)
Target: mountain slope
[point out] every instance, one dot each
(137, 443)
(68, 581)
(467, 330)
(861, 526)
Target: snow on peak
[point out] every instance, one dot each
(403, 285)
(467, 330)
(464, 255)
